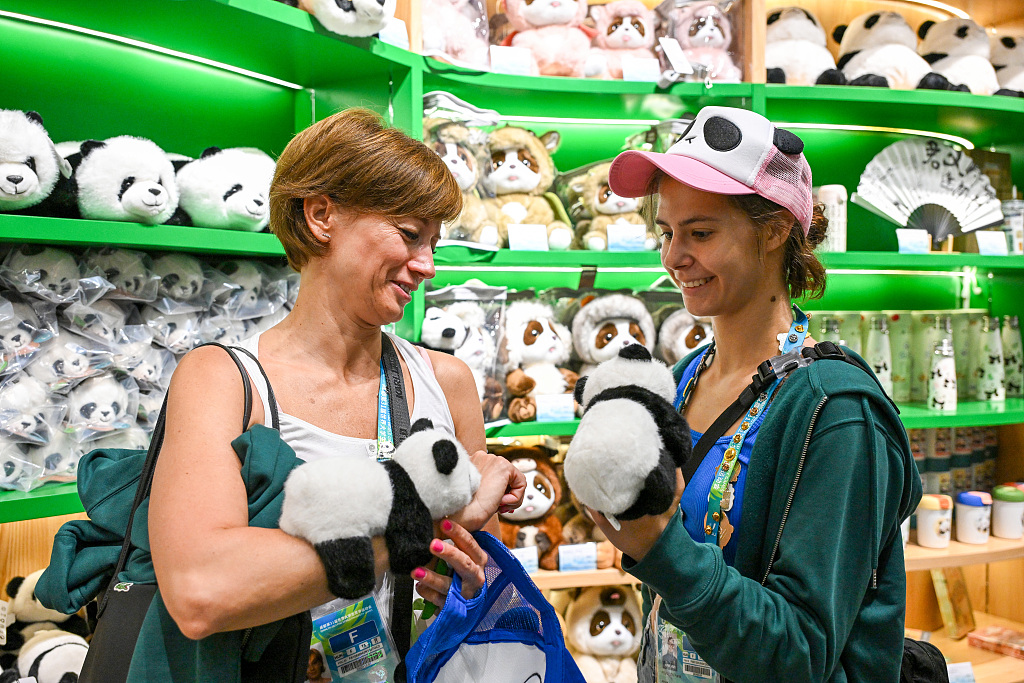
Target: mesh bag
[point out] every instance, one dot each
(507, 634)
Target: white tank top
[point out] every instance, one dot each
(311, 442)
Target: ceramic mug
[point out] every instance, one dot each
(934, 521)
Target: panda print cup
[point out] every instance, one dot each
(934, 521)
(973, 517)
(1008, 512)
(942, 379)
(990, 369)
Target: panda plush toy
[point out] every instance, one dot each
(1008, 60)
(52, 656)
(68, 359)
(603, 627)
(880, 49)
(796, 50)
(97, 406)
(29, 163)
(959, 50)
(225, 189)
(339, 504)
(177, 332)
(26, 617)
(44, 271)
(443, 330)
(127, 271)
(606, 324)
(630, 441)
(358, 18)
(181, 279)
(124, 178)
(26, 409)
(22, 333)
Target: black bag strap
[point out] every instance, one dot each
(149, 467)
(401, 602)
(271, 399)
(766, 375)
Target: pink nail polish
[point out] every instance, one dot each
(419, 573)
(437, 546)
(446, 525)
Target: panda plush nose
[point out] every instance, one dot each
(258, 202)
(448, 333)
(155, 191)
(15, 178)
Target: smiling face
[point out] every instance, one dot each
(710, 250)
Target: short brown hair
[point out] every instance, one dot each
(805, 274)
(363, 165)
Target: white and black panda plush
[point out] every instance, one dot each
(98, 405)
(181, 277)
(24, 409)
(52, 656)
(796, 50)
(126, 270)
(959, 50)
(154, 368)
(1007, 57)
(29, 163)
(226, 189)
(124, 178)
(178, 332)
(880, 49)
(630, 441)
(245, 296)
(101, 321)
(358, 18)
(22, 332)
(44, 271)
(27, 616)
(17, 473)
(607, 324)
(340, 504)
(58, 458)
(442, 330)
(67, 359)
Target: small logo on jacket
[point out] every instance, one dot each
(123, 587)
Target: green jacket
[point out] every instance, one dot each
(85, 553)
(818, 590)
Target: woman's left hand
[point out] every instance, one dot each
(466, 557)
(501, 490)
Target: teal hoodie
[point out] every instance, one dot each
(818, 590)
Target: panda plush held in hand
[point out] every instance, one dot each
(121, 179)
(534, 522)
(796, 50)
(225, 189)
(603, 627)
(29, 163)
(606, 324)
(630, 441)
(339, 505)
(959, 50)
(880, 49)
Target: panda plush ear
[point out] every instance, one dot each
(446, 456)
(421, 425)
(578, 391)
(34, 116)
(209, 152)
(773, 17)
(90, 145)
(13, 585)
(922, 31)
(635, 352)
(838, 32)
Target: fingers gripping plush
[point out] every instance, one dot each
(630, 440)
(340, 504)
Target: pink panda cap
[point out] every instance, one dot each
(726, 150)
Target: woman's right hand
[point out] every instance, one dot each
(501, 490)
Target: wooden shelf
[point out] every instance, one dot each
(989, 667)
(957, 554)
(553, 580)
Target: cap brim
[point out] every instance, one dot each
(631, 173)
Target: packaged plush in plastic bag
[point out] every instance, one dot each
(68, 359)
(153, 371)
(129, 273)
(603, 219)
(58, 458)
(183, 287)
(45, 272)
(465, 320)
(28, 411)
(26, 326)
(248, 289)
(178, 332)
(708, 33)
(150, 404)
(456, 31)
(219, 327)
(101, 405)
(103, 321)
(17, 471)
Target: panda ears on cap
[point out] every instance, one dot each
(788, 143)
(421, 425)
(838, 32)
(90, 145)
(209, 152)
(922, 31)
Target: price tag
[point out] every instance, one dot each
(626, 237)
(555, 407)
(913, 241)
(3, 622)
(527, 557)
(674, 55)
(577, 557)
(641, 69)
(395, 33)
(517, 61)
(991, 242)
(961, 672)
(528, 237)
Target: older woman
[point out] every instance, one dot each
(358, 207)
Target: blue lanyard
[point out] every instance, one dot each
(385, 438)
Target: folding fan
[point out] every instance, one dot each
(928, 184)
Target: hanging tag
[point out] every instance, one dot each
(675, 56)
(3, 622)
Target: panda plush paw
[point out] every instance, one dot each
(776, 75)
(936, 81)
(871, 81)
(831, 77)
(630, 441)
(339, 505)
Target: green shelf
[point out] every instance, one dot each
(888, 260)
(967, 414)
(49, 500)
(86, 233)
(514, 429)
(459, 256)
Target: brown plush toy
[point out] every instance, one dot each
(534, 345)
(581, 529)
(454, 143)
(606, 208)
(534, 522)
(521, 172)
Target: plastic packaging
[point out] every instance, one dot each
(25, 327)
(353, 638)
(183, 287)
(17, 471)
(709, 34)
(178, 332)
(154, 369)
(58, 458)
(150, 404)
(249, 290)
(28, 412)
(456, 31)
(129, 273)
(101, 405)
(68, 359)
(44, 272)
(103, 321)
(834, 197)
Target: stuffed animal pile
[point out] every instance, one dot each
(126, 178)
(88, 343)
